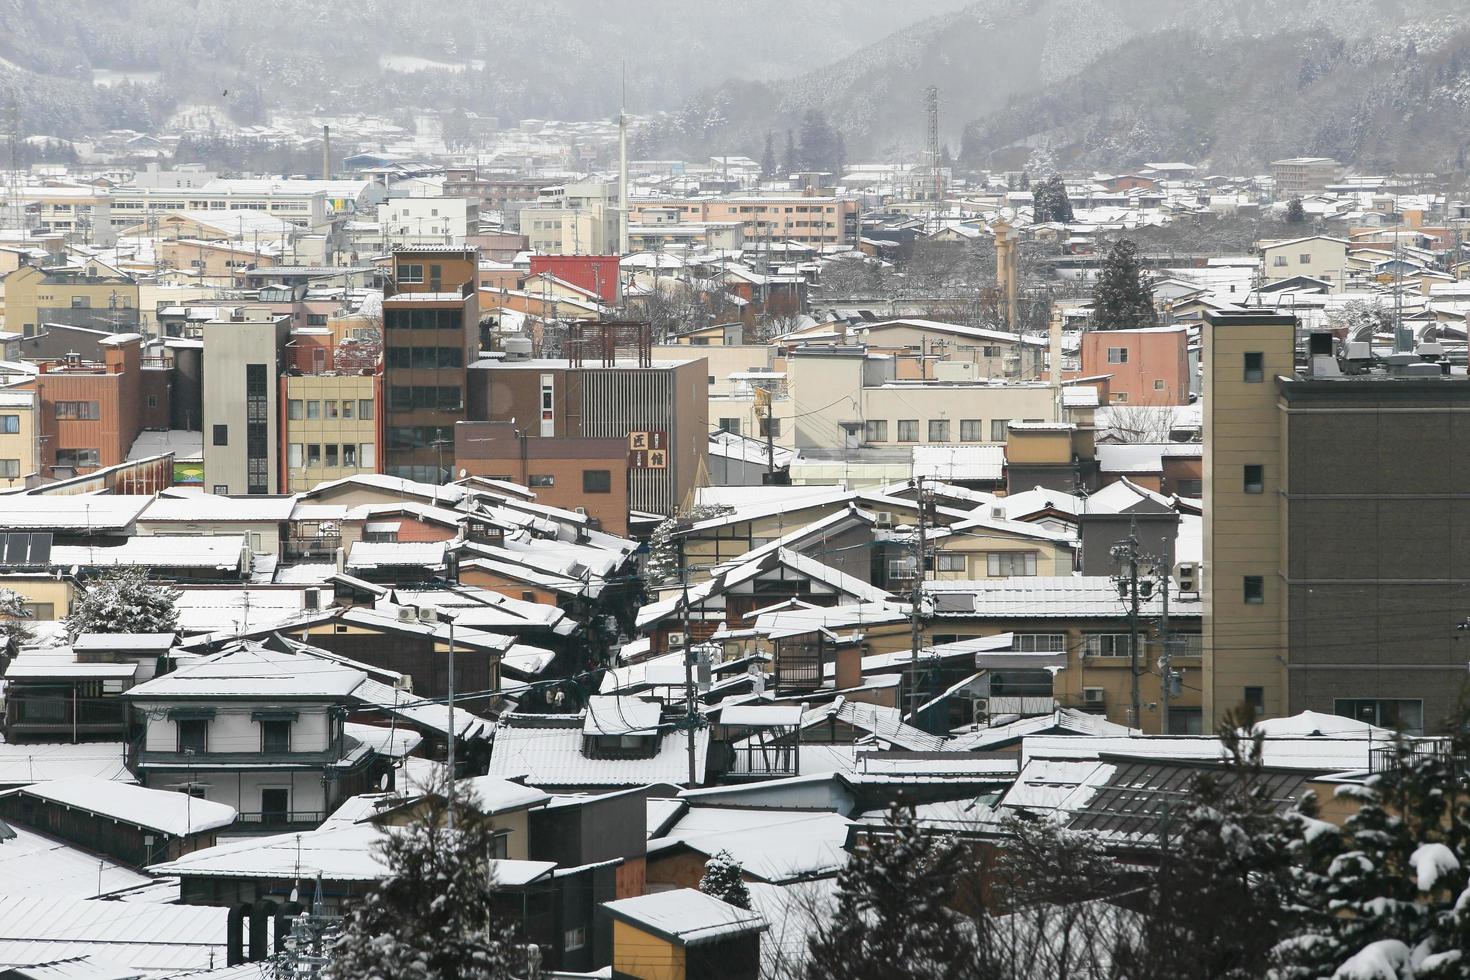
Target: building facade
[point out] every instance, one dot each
(242, 410)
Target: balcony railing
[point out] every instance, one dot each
(280, 818)
(322, 546)
(263, 760)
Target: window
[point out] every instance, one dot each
(1279, 261)
(349, 454)
(875, 430)
(367, 455)
(1255, 699)
(275, 736)
(77, 458)
(313, 454)
(1189, 488)
(1304, 258)
(193, 734)
(347, 408)
(9, 424)
(1120, 396)
(731, 426)
(771, 428)
(1108, 645)
(84, 411)
(1253, 589)
(1254, 367)
(1158, 384)
(597, 481)
(221, 435)
(574, 938)
(939, 430)
(1255, 478)
(81, 302)
(294, 409)
(152, 401)
(331, 453)
(998, 429)
(541, 480)
(316, 319)
(908, 430)
(1039, 642)
(220, 489)
(972, 430)
(410, 273)
(294, 456)
(1402, 714)
(1117, 355)
(9, 469)
(365, 409)
(950, 562)
(1003, 564)
(330, 406)
(313, 409)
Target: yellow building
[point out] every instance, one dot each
(331, 428)
(35, 296)
(19, 438)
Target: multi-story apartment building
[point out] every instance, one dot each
(332, 426)
(20, 442)
(428, 221)
(241, 394)
(102, 301)
(1333, 528)
(431, 316)
(1300, 176)
(608, 438)
(804, 218)
(88, 413)
(1144, 366)
(1315, 257)
(83, 214)
(573, 219)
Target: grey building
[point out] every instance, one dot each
(242, 368)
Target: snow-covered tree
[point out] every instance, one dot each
(1124, 295)
(662, 565)
(123, 600)
(1295, 213)
(1358, 314)
(892, 920)
(768, 156)
(434, 917)
(1051, 201)
(724, 878)
(1043, 160)
(15, 627)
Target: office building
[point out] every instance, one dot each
(242, 411)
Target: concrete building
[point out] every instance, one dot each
(101, 301)
(1333, 529)
(431, 318)
(572, 219)
(1300, 176)
(1145, 366)
(333, 426)
(20, 442)
(1316, 257)
(597, 413)
(242, 410)
(428, 221)
(803, 218)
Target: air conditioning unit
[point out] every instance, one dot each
(884, 518)
(1093, 697)
(1186, 575)
(581, 511)
(428, 614)
(406, 614)
(676, 639)
(980, 707)
(997, 512)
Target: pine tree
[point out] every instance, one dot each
(1124, 296)
(819, 149)
(768, 157)
(15, 627)
(891, 921)
(662, 565)
(1295, 213)
(1051, 201)
(790, 162)
(434, 917)
(724, 878)
(124, 601)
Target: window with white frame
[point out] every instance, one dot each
(1106, 645)
(1004, 564)
(947, 561)
(1039, 642)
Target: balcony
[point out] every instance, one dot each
(236, 760)
(323, 547)
(277, 820)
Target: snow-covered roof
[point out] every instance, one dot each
(89, 512)
(1043, 596)
(40, 869)
(211, 508)
(218, 551)
(143, 642)
(148, 938)
(251, 670)
(391, 554)
(612, 715)
(959, 462)
(774, 845)
(551, 755)
(21, 765)
(168, 812)
(686, 917)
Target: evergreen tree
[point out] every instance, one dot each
(891, 921)
(790, 163)
(768, 157)
(724, 879)
(15, 627)
(1051, 202)
(434, 917)
(662, 565)
(819, 150)
(1123, 296)
(1295, 213)
(839, 160)
(124, 601)
(945, 160)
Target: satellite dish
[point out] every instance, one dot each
(382, 785)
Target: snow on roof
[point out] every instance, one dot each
(168, 812)
(612, 715)
(168, 551)
(1130, 458)
(959, 462)
(1065, 721)
(774, 845)
(449, 493)
(1019, 505)
(22, 765)
(209, 507)
(1043, 596)
(761, 715)
(553, 756)
(1316, 723)
(151, 642)
(881, 722)
(184, 444)
(495, 795)
(1336, 754)
(1079, 396)
(1045, 784)
(84, 967)
(387, 554)
(686, 917)
(43, 869)
(251, 670)
(40, 512)
(935, 326)
(30, 667)
(1115, 498)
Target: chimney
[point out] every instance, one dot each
(849, 667)
(326, 153)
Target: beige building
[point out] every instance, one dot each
(1244, 635)
(102, 301)
(574, 219)
(1317, 257)
(954, 352)
(1300, 176)
(331, 428)
(19, 437)
(242, 362)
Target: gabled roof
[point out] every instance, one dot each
(773, 845)
(686, 917)
(165, 811)
(550, 754)
(251, 670)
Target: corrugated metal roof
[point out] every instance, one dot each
(553, 757)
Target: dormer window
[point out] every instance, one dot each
(632, 746)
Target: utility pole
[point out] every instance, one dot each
(449, 783)
(1132, 591)
(690, 717)
(1166, 669)
(916, 600)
